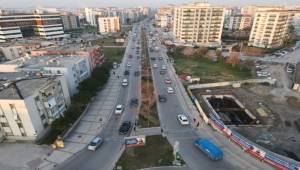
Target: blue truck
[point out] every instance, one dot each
(211, 150)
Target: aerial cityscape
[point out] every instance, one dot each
(142, 85)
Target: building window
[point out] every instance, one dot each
(4, 124)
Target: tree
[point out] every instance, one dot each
(233, 59)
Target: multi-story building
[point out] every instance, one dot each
(70, 21)
(296, 21)
(16, 26)
(28, 104)
(108, 24)
(91, 15)
(74, 69)
(234, 22)
(252, 9)
(13, 52)
(199, 23)
(270, 28)
(164, 17)
(246, 22)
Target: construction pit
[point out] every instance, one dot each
(255, 113)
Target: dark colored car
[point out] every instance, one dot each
(125, 127)
(126, 72)
(153, 58)
(162, 98)
(134, 102)
(162, 72)
(136, 73)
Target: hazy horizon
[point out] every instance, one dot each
(129, 3)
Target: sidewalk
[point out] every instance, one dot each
(95, 118)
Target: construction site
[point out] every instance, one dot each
(255, 113)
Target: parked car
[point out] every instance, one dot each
(136, 73)
(170, 90)
(95, 143)
(168, 81)
(126, 72)
(124, 82)
(125, 127)
(134, 102)
(119, 109)
(183, 120)
(155, 66)
(162, 98)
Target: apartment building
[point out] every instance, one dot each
(246, 22)
(13, 52)
(108, 24)
(252, 9)
(164, 16)
(18, 26)
(296, 21)
(270, 28)
(74, 69)
(28, 104)
(199, 23)
(70, 21)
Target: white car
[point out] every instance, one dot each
(155, 66)
(119, 109)
(163, 67)
(170, 90)
(95, 143)
(124, 82)
(128, 65)
(183, 120)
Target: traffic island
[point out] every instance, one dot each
(156, 152)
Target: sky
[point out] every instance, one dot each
(130, 3)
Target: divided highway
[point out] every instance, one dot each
(234, 157)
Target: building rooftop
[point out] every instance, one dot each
(22, 88)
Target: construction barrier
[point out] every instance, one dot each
(258, 152)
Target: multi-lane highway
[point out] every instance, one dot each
(234, 158)
(105, 157)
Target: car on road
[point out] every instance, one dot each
(134, 102)
(170, 90)
(168, 81)
(95, 143)
(153, 58)
(160, 58)
(136, 73)
(126, 72)
(130, 56)
(162, 72)
(210, 149)
(125, 127)
(163, 67)
(162, 98)
(124, 82)
(183, 120)
(119, 109)
(128, 64)
(155, 65)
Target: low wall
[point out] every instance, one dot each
(262, 154)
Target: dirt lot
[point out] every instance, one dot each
(279, 127)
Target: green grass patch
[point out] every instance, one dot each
(207, 70)
(156, 152)
(149, 120)
(113, 54)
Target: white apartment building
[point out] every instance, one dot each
(17, 26)
(269, 28)
(199, 23)
(90, 16)
(252, 9)
(74, 69)
(29, 104)
(108, 24)
(164, 16)
(234, 22)
(246, 22)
